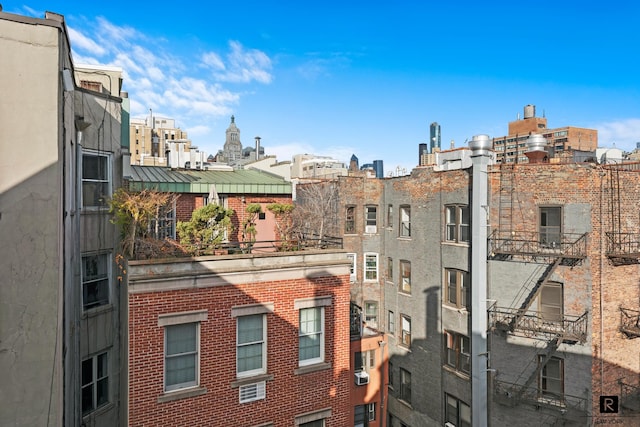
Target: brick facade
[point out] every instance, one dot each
(217, 286)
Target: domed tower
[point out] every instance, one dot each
(232, 146)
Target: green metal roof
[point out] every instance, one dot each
(243, 181)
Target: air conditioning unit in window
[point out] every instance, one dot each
(362, 378)
(371, 229)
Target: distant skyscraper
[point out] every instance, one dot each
(434, 136)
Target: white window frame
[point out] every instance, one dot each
(95, 381)
(405, 221)
(371, 219)
(263, 347)
(177, 319)
(368, 269)
(405, 276)
(371, 316)
(107, 180)
(96, 280)
(353, 268)
(454, 224)
(319, 333)
(405, 327)
(461, 409)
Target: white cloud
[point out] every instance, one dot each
(623, 133)
(82, 42)
(241, 66)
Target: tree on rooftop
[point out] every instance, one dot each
(207, 228)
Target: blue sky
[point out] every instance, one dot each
(365, 77)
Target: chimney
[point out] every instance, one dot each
(257, 147)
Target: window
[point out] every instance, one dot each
(95, 382)
(362, 414)
(390, 216)
(405, 385)
(163, 225)
(551, 380)
(370, 219)
(364, 361)
(457, 348)
(371, 411)
(550, 226)
(406, 330)
(181, 355)
(405, 276)
(317, 423)
(251, 342)
(95, 280)
(371, 314)
(96, 183)
(457, 413)
(550, 303)
(391, 377)
(457, 223)
(390, 269)
(370, 267)
(405, 221)
(350, 220)
(311, 336)
(391, 323)
(456, 288)
(352, 268)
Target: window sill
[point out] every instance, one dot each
(312, 368)
(170, 396)
(454, 243)
(405, 403)
(408, 238)
(96, 311)
(98, 411)
(460, 310)
(454, 371)
(252, 379)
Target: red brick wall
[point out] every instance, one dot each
(287, 395)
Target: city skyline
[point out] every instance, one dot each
(364, 78)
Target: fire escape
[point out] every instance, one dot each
(622, 249)
(550, 250)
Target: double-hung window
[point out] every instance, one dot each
(405, 221)
(370, 267)
(96, 180)
(405, 276)
(457, 413)
(364, 361)
(406, 330)
(405, 385)
(181, 348)
(457, 349)
(371, 219)
(550, 302)
(550, 226)
(251, 345)
(371, 313)
(390, 216)
(95, 280)
(391, 323)
(350, 220)
(456, 288)
(551, 379)
(457, 223)
(95, 382)
(311, 336)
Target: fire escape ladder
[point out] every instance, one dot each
(546, 276)
(505, 218)
(551, 348)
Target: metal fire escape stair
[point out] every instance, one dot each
(551, 348)
(543, 280)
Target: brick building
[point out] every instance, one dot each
(241, 340)
(512, 147)
(561, 289)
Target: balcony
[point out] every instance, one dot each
(630, 397)
(623, 248)
(630, 322)
(570, 329)
(569, 246)
(570, 407)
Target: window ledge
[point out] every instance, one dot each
(312, 368)
(252, 379)
(454, 243)
(99, 411)
(454, 308)
(455, 372)
(170, 396)
(405, 403)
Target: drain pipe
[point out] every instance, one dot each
(480, 157)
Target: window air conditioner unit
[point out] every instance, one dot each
(371, 229)
(362, 378)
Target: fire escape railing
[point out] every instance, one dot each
(629, 396)
(623, 246)
(510, 393)
(630, 322)
(567, 245)
(529, 323)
